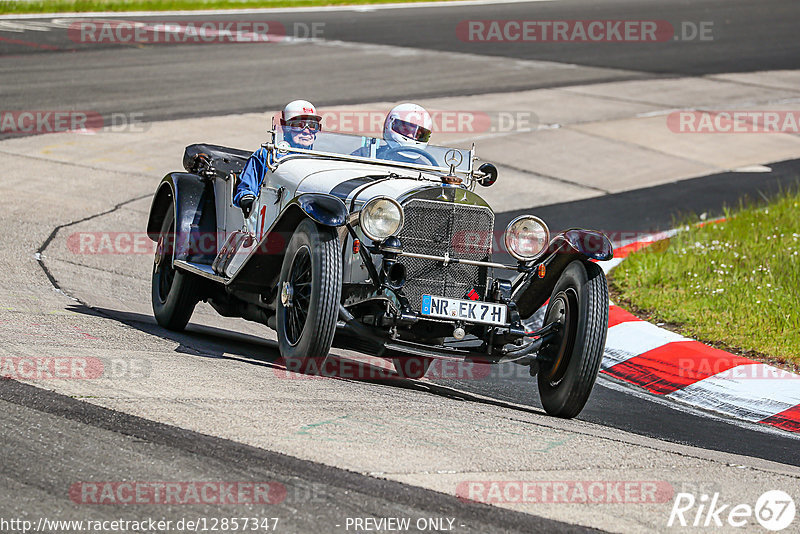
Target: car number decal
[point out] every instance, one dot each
(262, 215)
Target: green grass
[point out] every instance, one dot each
(72, 6)
(736, 283)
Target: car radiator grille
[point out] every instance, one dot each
(435, 228)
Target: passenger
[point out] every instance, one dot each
(406, 125)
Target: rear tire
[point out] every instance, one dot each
(174, 293)
(309, 290)
(580, 302)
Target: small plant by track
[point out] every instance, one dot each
(736, 282)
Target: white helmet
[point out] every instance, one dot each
(299, 109)
(408, 125)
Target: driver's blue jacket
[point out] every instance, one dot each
(251, 176)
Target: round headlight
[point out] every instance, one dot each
(380, 218)
(526, 237)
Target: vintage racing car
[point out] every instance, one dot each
(385, 257)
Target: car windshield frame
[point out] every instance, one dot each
(346, 147)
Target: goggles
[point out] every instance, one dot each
(302, 124)
(411, 130)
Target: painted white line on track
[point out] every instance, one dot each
(610, 264)
(256, 11)
(19, 27)
(750, 398)
(373, 48)
(406, 51)
(749, 391)
(630, 339)
(684, 407)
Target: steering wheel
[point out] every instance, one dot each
(415, 150)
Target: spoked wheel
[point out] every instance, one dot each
(411, 366)
(310, 287)
(174, 293)
(571, 359)
(297, 292)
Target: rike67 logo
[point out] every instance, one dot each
(774, 510)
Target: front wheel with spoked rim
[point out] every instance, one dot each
(571, 359)
(309, 290)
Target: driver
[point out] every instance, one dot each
(300, 122)
(407, 125)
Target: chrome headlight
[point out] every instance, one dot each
(526, 237)
(380, 218)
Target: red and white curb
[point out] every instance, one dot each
(672, 366)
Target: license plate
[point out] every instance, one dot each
(471, 311)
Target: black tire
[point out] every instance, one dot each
(308, 307)
(580, 301)
(411, 366)
(174, 293)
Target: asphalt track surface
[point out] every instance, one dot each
(167, 81)
(749, 36)
(313, 498)
(644, 211)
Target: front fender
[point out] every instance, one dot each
(195, 215)
(594, 245)
(531, 292)
(323, 208)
